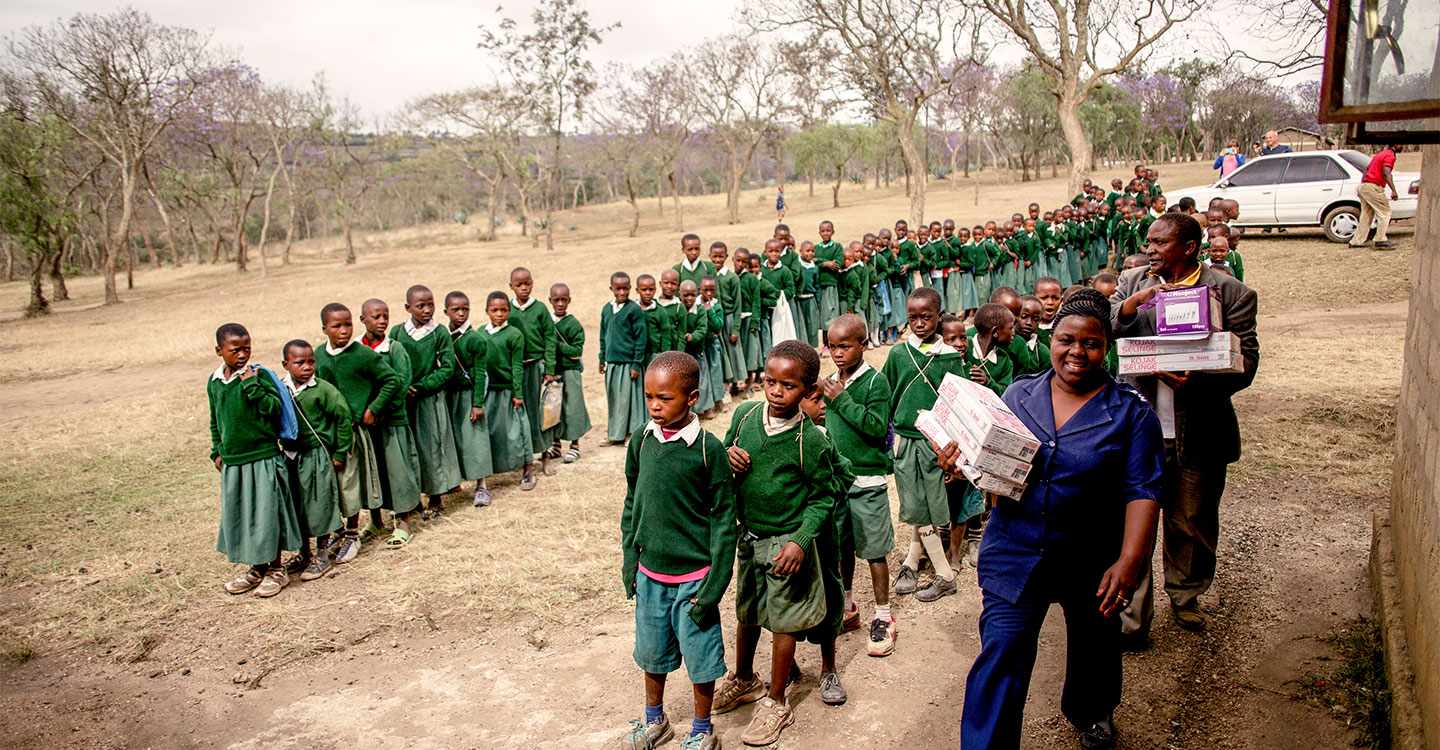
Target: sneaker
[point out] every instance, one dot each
(733, 693)
(882, 637)
(1191, 617)
(972, 553)
(1098, 736)
(851, 621)
(771, 718)
(296, 564)
(905, 580)
(348, 550)
(938, 587)
(702, 741)
(527, 481)
(273, 583)
(832, 693)
(482, 497)
(1384, 245)
(319, 565)
(645, 736)
(245, 581)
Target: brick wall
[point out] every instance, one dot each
(1415, 492)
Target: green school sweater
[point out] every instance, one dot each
(243, 419)
(851, 283)
(432, 359)
(757, 297)
(679, 514)
(697, 327)
(623, 334)
(364, 378)
(1027, 362)
(703, 268)
(399, 360)
(538, 329)
(879, 267)
(780, 278)
(1237, 264)
(569, 343)
(676, 324)
(833, 252)
(657, 330)
(1112, 197)
(505, 359)
(1043, 334)
(728, 289)
(789, 487)
(909, 256)
(327, 421)
(791, 260)
(914, 377)
(716, 313)
(1001, 371)
(858, 420)
(471, 349)
(809, 279)
(959, 256)
(937, 255)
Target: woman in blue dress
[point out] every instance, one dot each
(1080, 536)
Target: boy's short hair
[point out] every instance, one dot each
(990, 316)
(949, 319)
(457, 294)
(1108, 278)
(927, 295)
(688, 237)
(778, 227)
(1046, 280)
(497, 295)
(619, 276)
(719, 244)
(1002, 292)
(558, 286)
(1029, 298)
(1186, 228)
(518, 269)
(710, 277)
(230, 331)
(847, 323)
(417, 289)
(1186, 204)
(643, 278)
(1070, 292)
(680, 364)
(334, 308)
(804, 354)
(293, 344)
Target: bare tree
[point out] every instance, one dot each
(740, 95)
(281, 112)
(660, 99)
(1291, 35)
(345, 159)
(899, 53)
(550, 61)
(117, 81)
(1079, 43)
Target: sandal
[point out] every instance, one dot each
(274, 582)
(553, 451)
(244, 582)
(571, 456)
(398, 538)
(369, 532)
(482, 497)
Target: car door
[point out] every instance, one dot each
(1310, 183)
(1253, 187)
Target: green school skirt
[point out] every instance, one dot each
(829, 306)
(810, 320)
(706, 401)
(400, 470)
(257, 514)
(713, 356)
(982, 288)
(920, 483)
(865, 530)
(754, 357)
(361, 487)
(472, 439)
(435, 444)
(510, 445)
(316, 489)
(534, 380)
(898, 316)
(793, 604)
(732, 354)
(574, 414)
(624, 400)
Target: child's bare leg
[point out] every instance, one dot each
(402, 521)
(827, 656)
(704, 698)
(781, 655)
(957, 544)
(654, 689)
(880, 580)
(377, 517)
(747, 639)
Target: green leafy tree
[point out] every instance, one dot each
(830, 148)
(35, 189)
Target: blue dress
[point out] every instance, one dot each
(1053, 545)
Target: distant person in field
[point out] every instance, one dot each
(1374, 206)
(623, 339)
(1230, 159)
(465, 397)
(1273, 144)
(257, 513)
(677, 534)
(319, 449)
(780, 204)
(569, 348)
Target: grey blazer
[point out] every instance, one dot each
(1206, 429)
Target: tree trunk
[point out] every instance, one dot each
(169, 228)
(733, 196)
(835, 192)
(349, 240)
(111, 254)
(265, 223)
(679, 208)
(9, 261)
(552, 191)
(812, 184)
(914, 165)
(492, 209)
(38, 305)
(659, 195)
(634, 205)
(1080, 149)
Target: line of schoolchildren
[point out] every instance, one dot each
(391, 421)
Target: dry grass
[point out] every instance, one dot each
(102, 489)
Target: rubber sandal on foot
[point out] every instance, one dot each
(398, 538)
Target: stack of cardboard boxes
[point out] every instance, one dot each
(996, 445)
(1189, 322)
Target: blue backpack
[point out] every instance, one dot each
(289, 425)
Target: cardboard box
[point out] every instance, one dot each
(1194, 309)
(1190, 343)
(973, 449)
(1227, 360)
(982, 412)
(991, 483)
(929, 426)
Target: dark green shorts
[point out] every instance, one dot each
(867, 531)
(780, 604)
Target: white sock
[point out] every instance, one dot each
(849, 601)
(912, 558)
(931, 540)
(882, 612)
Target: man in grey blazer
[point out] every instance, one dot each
(1206, 434)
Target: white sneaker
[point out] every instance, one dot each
(348, 550)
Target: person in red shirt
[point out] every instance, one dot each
(1374, 205)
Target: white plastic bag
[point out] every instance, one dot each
(552, 397)
(782, 323)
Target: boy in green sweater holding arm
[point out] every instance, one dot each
(319, 449)
(677, 534)
(623, 338)
(785, 470)
(693, 268)
(510, 445)
(857, 408)
(530, 316)
(432, 362)
(257, 516)
(569, 346)
(465, 396)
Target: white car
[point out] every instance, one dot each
(1304, 189)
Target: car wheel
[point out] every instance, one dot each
(1341, 223)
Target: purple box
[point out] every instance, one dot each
(1194, 309)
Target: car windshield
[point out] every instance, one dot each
(1356, 159)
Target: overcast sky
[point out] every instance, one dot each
(384, 53)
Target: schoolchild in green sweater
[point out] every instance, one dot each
(569, 347)
(753, 291)
(692, 268)
(677, 536)
(315, 458)
(658, 322)
(623, 342)
(852, 278)
(432, 361)
(784, 475)
(710, 303)
(532, 318)
(982, 262)
(465, 397)
(1027, 351)
(695, 337)
(727, 288)
(772, 271)
(965, 501)
(987, 353)
(809, 322)
(830, 256)
(370, 386)
(1049, 292)
(257, 515)
(914, 370)
(857, 409)
(510, 444)
(668, 300)
(399, 461)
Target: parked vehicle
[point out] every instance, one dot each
(1306, 189)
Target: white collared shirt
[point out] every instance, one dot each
(939, 347)
(295, 389)
(219, 374)
(651, 307)
(418, 333)
(525, 306)
(492, 330)
(854, 376)
(461, 330)
(383, 347)
(688, 433)
(616, 307)
(774, 426)
(688, 266)
(332, 351)
(1033, 342)
(557, 318)
(975, 352)
(667, 302)
(806, 264)
(722, 271)
(1046, 326)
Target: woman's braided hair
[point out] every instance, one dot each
(1088, 303)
